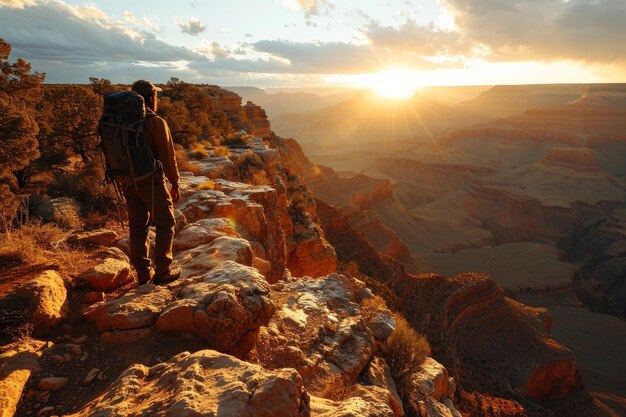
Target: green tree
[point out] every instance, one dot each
(100, 86)
(19, 95)
(184, 128)
(71, 119)
(16, 77)
(200, 112)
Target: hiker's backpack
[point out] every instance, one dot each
(126, 149)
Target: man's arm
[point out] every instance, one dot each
(167, 156)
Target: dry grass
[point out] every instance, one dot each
(198, 151)
(36, 243)
(405, 351)
(30, 243)
(221, 151)
(372, 305)
(339, 391)
(209, 185)
(183, 162)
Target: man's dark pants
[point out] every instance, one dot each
(139, 204)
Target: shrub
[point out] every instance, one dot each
(28, 243)
(183, 161)
(209, 185)
(86, 184)
(372, 305)
(249, 168)
(405, 351)
(238, 140)
(221, 151)
(198, 151)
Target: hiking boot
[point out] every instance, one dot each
(145, 277)
(172, 275)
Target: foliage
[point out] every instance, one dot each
(100, 86)
(183, 127)
(209, 185)
(198, 150)
(86, 184)
(27, 243)
(189, 112)
(372, 305)
(183, 161)
(48, 135)
(221, 151)
(70, 120)
(405, 351)
(19, 95)
(16, 77)
(297, 207)
(249, 168)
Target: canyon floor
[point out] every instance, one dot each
(523, 198)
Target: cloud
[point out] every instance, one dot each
(337, 57)
(192, 27)
(144, 22)
(425, 40)
(16, 4)
(212, 49)
(309, 7)
(63, 40)
(586, 30)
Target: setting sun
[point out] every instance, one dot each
(392, 83)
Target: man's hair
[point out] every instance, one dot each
(145, 89)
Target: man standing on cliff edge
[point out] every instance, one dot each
(150, 202)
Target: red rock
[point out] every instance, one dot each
(17, 362)
(47, 297)
(52, 383)
(108, 275)
(203, 383)
(92, 297)
(258, 119)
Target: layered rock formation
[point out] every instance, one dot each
(258, 119)
(601, 246)
(497, 349)
(260, 283)
(203, 383)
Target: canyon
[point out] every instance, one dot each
(293, 271)
(535, 199)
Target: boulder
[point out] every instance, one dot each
(429, 407)
(318, 329)
(226, 307)
(204, 383)
(354, 406)
(52, 383)
(382, 324)
(109, 274)
(17, 362)
(433, 380)
(100, 237)
(311, 255)
(136, 309)
(47, 297)
(202, 259)
(202, 232)
(379, 374)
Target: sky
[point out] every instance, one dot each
(312, 43)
